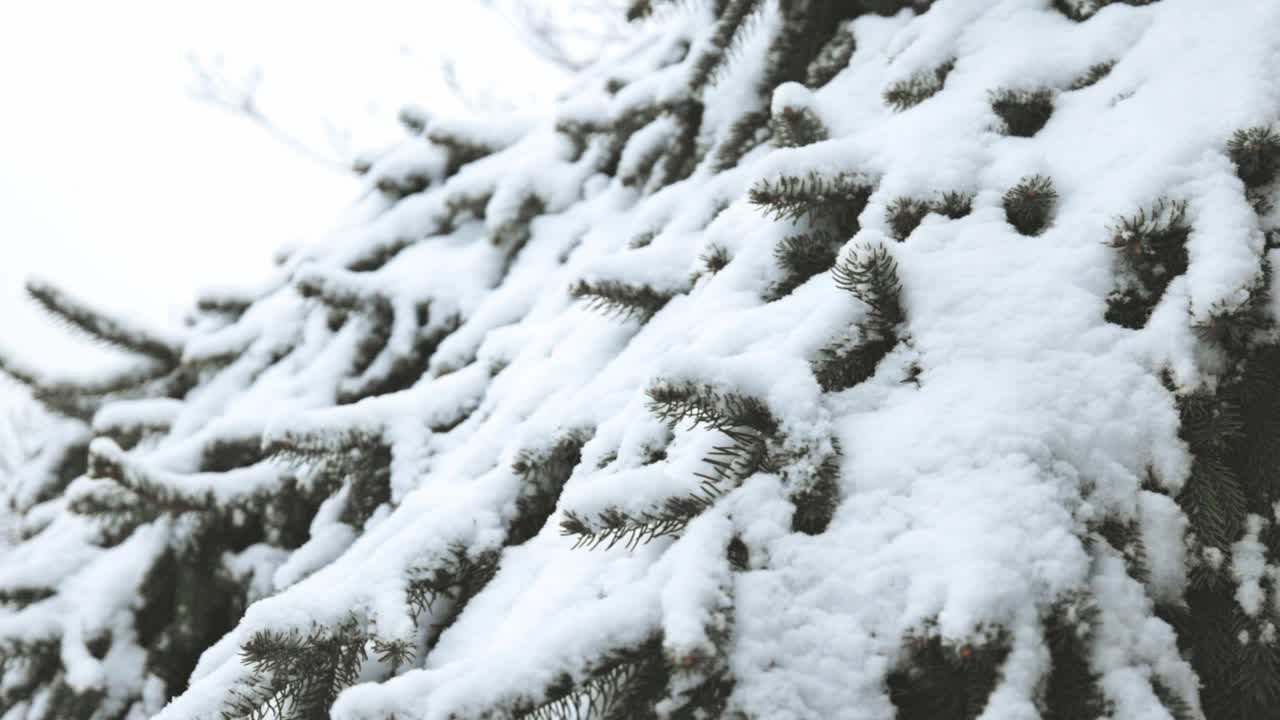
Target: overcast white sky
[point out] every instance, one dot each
(117, 185)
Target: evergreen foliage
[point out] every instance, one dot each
(1081, 10)
(1091, 76)
(743, 420)
(298, 675)
(369, 449)
(458, 578)
(830, 207)
(954, 205)
(1152, 251)
(796, 127)
(750, 130)
(833, 58)
(100, 327)
(1236, 324)
(1256, 154)
(544, 474)
(839, 199)
(730, 21)
(904, 215)
(621, 299)
(1023, 112)
(1071, 691)
(870, 274)
(940, 680)
(1028, 205)
(917, 88)
(1229, 498)
(715, 259)
(801, 257)
(627, 683)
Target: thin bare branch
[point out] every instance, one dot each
(213, 86)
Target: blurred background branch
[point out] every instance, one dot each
(568, 36)
(211, 83)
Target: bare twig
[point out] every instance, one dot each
(211, 84)
(550, 35)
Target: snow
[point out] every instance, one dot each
(1249, 566)
(964, 496)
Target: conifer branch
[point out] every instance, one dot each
(638, 166)
(1023, 112)
(359, 457)
(917, 88)
(160, 490)
(639, 10)
(1256, 154)
(749, 131)
(98, 326)
(800, 257)
(1214, 502)
(1153, 252)
(797, 127)
(1029, 204)
(544, 474)
(398, 187)
(413, 119)
(832, 58)
(1125, 537)
(870, 274)
(1092, 75)
(816, 494)
(904, 215)
(940, 679)
(624, 683)
(229, 304)
(844, 363)
(352, 450)
(380, 366)
(117, 510)
(1237, 324)
(377, 254)
(393, 369)
(614, 525)
(839, 199)
(613, 297)
(642, 240)
(80, 399)
(738, 416)
(954, 205)
(743, 419)
(513, 232)
(1178, 707)
(1072, 689)
(700, 679)
(298, 675)
(396, 653)
(730, 22)
(461, 151)
(807, 26)
(714, 259)
(24, 665)
(682, 155)
(457, 577)
(1081, 10)
(108, 461)
(343, 291)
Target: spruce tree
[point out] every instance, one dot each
(639, 411)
